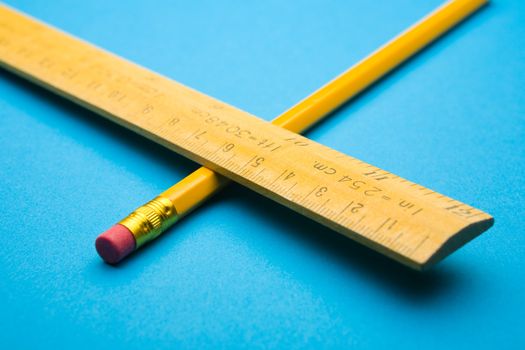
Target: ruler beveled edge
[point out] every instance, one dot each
(458, 240)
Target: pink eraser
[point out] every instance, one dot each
(115, 244)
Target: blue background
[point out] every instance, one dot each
(243, 272)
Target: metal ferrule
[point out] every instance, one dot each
(150, 220)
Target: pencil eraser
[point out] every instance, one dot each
(115, 244)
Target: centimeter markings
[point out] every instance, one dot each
(401, 219)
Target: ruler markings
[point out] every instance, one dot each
(309, 193)
(248, 162)
(259, 172)
(419, 245)
(278, 177)
(291, 187)
(417, 211)
(383, 224)
(392, 224)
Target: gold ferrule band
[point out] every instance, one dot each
(150, 220)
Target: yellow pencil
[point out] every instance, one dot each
(153, 218)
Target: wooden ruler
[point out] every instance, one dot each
(398, 218)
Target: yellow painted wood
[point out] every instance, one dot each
(403, 220)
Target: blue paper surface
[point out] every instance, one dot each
(242, 272)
